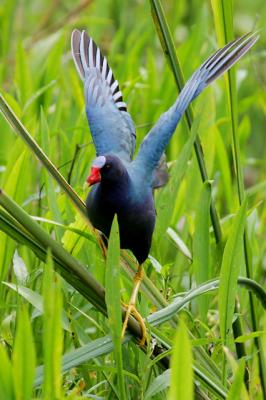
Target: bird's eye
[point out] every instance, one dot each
(108, 166)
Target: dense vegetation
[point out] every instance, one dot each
(51, 323)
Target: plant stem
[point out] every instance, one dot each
(20, 129)
(170, 53)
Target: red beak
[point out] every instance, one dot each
(94, 177)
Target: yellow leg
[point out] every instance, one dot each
(131, 308)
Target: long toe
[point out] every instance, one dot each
(131, 310)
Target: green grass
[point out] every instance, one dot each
(48, 323)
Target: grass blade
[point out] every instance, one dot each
(160, 383)
(237, 389)
(52, 332)
(75, 273)
(201, 251)
(13, 185)
(23, 357)
(6, 381)
(49, 183)
(163, 315)
(229, 273)
(71, 269)
(181, 386)
(112, 297)
(36, 300)
(74, 358)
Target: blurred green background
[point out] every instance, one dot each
(39, 81)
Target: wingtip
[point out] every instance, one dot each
(230, 54)
(75, 46)
(74, 35)
(252, 37)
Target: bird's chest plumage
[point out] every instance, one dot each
(136, 216)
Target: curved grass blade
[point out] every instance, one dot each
(163, 315)
(160, 383)
(36, 300)
(94, 349)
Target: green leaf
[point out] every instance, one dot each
(6, 381)
(230, 269)
(76, 235)
(36, 300)
(96, 348)
(71, 269)
(112, 297)
(49, 183)
(14, 186)
(160, 383)
(181, 366)
(237, 387)
(22, 74)
(201, 245)
(52, 332)
(224, 167)
(23, 357)
(252, 335)
(179, 243)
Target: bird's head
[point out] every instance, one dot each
(108, 168)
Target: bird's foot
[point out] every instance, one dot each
(131, 310)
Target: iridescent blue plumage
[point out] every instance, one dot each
(126, 185)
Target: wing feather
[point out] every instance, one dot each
(157, 139)
(111, 125)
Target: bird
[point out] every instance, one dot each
(122, 184)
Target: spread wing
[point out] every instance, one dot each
(111, 125)
(155, 142)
